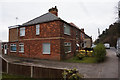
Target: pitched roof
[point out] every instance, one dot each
(74, 25)
(43, 18)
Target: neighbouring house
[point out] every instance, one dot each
(87, 41)
(45, 37)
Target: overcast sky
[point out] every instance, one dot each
(87, 14)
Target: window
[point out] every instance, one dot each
(2, 46)
(67, 47)
(46, 48)
(66, 29)
(82, 35)
(21, 47)
(77, 35)
(5, 46)
(13, 47)
(37, 29)
(22, 31)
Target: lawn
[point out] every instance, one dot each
(84, 60)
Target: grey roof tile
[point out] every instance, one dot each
(43, 18)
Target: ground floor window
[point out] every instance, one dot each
(67, 47)
(13, 47)
(21, 47)
(46, 48)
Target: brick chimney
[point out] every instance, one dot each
(54, 10)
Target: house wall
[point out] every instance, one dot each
(13, 34)
(69, 38)
(34, 49)
(47, 30)
(88, 43)
(50, 32)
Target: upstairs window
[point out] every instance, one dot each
(13, 48)
(77, 35)
(22, 31)
(21, 47)
(66, 29)
(67, 47)
(37, 29)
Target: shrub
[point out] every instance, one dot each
(71, 74)
(80, 56)
(100, 52)
(84, 53)
(90, 53)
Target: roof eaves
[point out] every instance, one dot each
(15, 26)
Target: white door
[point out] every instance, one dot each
(5, 49)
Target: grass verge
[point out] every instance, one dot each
(14, 77)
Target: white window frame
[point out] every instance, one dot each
(22, 31)
(13, 44)
(21, 45)
(43, 48)
(67, 44)
(37, 29)
(65, 25)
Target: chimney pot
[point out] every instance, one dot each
(54, 10)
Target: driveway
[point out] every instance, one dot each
(107, 69)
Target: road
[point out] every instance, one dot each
(107, 69)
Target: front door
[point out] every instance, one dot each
(5, 49)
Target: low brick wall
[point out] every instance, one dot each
(31, 71)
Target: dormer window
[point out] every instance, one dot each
(37, 29)
(22, 31)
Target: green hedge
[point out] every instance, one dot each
(100, 52)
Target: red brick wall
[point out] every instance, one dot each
(49, 29)
(33, 49)
(69, 38)
(13, 34)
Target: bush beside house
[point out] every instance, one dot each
(100, 52)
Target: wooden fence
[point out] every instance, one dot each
(31, 71)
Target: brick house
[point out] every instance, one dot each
(45, 37)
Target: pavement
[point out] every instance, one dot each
(107, 69)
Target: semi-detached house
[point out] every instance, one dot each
(45, 37)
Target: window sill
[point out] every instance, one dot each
(46, 53)
(67, 34)
(13, 51)
(22, 36)
(68, 52)
(21, 51)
